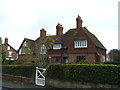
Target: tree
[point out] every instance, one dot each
(42, 48)
(115, 55)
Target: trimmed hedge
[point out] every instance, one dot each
(10, 62)
(19, 70)
(116, 63)
(92, 73)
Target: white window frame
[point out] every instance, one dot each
(80, 44)
(10, 54)
(8, 48)
(12, 59)
(57, 46)
(43, 49)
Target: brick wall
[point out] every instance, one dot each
(14, 53)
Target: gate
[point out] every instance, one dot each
(40, 78)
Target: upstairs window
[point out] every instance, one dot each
(57, 46)
(10, 54)
(80, 44)
(8, 48)
(43, 49)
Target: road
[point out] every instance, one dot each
(8, 85)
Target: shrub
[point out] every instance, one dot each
(116, 63)
(6, 62)
(19, 70)
(83, 62)
(85, 73)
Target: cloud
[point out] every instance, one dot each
(19, 18)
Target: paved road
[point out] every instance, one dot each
(8, 85)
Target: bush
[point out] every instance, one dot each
(116, 63)
(95, 73)
(19, 70)
(83, 62)
(6, 62)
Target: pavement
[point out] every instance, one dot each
(9, 85)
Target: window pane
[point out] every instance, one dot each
(79, 58)
(8, 47)
(80, 44)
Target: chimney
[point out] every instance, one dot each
(59, 29)
(42, 33)
(6, 40)
(78, 22)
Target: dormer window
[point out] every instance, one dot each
(57, 46)
(80, 44)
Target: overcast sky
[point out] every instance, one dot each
(24, 18)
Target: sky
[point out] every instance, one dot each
(21, 19)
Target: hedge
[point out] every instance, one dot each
(19, 70)
(91, 73)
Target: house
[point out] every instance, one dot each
(26, 50)
(75, 45)
(10, 52)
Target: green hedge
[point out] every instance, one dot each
(10, 62)
(109, 74)
(19, 70)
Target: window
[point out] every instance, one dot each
(12, 58)
(56, 59)
(8, 47)
(79, 58)
(22, 51)
(43, 49)
(10, 54)
(80, 44)
(57, 46)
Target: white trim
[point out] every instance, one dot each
(43, 49)
(10, 54)
(57, 46)
(80, 44)
(8, 47)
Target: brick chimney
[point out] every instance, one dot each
(6, 41)
(59, 29)
(42, 33)
(78, 22)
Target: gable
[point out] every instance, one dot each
(28, 44)
(94, 39)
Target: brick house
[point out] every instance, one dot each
(10, 52)
(75, 45)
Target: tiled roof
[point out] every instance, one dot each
(68, 36)
(93, 38)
